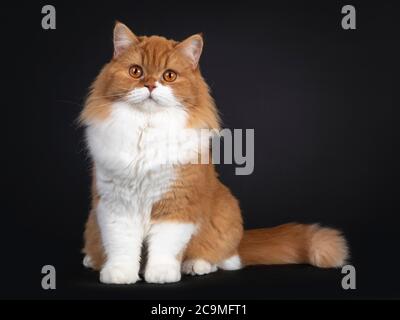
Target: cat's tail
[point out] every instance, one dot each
(294, 243)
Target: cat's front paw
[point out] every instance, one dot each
(119, 274)
(163, 273)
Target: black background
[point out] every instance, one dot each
(321, 100)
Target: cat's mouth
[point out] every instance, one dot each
(136, 100)
(154, 99)
(151, 100)
(148, 104)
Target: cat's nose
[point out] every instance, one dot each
(151, 87)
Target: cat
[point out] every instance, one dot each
(141, 106)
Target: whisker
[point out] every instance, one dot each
(107, 96)
(101, 105)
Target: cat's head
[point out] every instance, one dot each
(151, 74)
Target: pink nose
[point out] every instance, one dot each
(151, 87)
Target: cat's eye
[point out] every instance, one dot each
(136, 71)
(170, 75)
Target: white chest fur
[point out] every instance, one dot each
(136, 153)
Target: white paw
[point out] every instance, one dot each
(87, 262)
(119, 274)
(163, 273)
(232, 263)
(198, 267)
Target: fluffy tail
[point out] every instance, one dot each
(294, 243)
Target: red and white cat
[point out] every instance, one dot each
(141, 106)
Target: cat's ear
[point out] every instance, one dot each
(123, 38)
(192, 48)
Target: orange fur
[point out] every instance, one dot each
(293, 243)
(198, 195)
(92, 237)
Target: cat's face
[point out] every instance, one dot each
(152, 73)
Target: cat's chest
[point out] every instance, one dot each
(129, 137)
(136, 153)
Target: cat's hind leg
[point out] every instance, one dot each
(231, 263)
(198, 267)
(201, 266)
(87, 262)
(94, 253)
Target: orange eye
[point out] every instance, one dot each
(135, 71)
(170, 76)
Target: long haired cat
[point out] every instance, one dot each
(147, 191)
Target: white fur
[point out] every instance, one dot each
(166, 242)
(232, 263)
(134, 165)
(161, 97)
(87, 262)
(198, 267)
